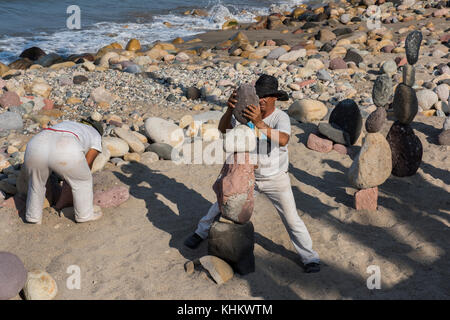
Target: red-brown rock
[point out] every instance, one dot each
(48, 104)
(319, 144)
(9, 99)
(401, 61)
(112, 197)
(340, 148)
(234, 188)
(366, 199)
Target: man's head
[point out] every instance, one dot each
(267, 90)
(97, 125)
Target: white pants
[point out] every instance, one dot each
(60, 152)
(278, 189)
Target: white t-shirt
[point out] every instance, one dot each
(272, 158)
(88, 137)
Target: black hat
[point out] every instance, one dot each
(97, 125)
(267, 86)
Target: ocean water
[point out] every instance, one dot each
(43, 23)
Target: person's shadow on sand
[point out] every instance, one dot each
(191, 205)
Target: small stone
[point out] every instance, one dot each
(219, 270)
(337, 63)
(133, 45)
(116, 146)
(148, 158)
(79, 79)
(193, 93)
(163, 150)
(308, 110)
(318, 144)
(160, 130)
(132, 157)
(112, 197)
(100, 95)
(382, 90)
(353, 56)
(444, 138)
(376, 120)
(292, 56)
(13, 275)
(409, 75)
(366, 199)
(40, 286)
(276, 53)
(442, 91)
(10, 121)
(412, 46)
(9, 99)
(389, 67)
(135, 144)
(339, 148)
(426, 98)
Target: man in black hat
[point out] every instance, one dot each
(271, 175)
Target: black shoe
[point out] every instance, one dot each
(312, 267)
(193, 241)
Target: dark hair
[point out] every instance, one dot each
(97, 125)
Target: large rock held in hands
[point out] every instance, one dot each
(347, 117)
(234, 243)
(406, 150)
(245, 96)
(234, 188)
(373, 165)
(13, 275)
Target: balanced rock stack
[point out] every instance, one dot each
(232, 239)
(373, 165)
(343, 128)
(405, 145)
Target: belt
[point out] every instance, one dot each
(64, 131)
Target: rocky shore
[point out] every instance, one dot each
(153, 97)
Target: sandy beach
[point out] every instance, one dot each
(136, 250)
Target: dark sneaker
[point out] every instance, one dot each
(312, 267)
(193, 241)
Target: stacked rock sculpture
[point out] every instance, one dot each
(344, 125)
(405, 145)
(373, 164)
(233, 240)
